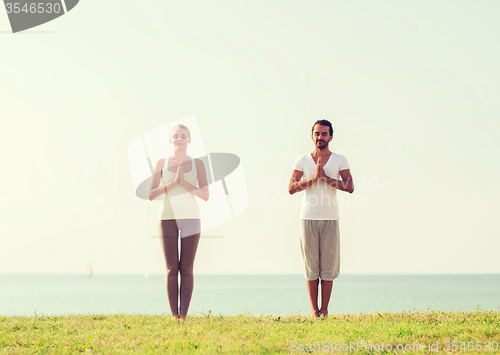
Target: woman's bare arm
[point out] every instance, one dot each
(155, 188)
(202, 191)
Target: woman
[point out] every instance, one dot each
(179, 216)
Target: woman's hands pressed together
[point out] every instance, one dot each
(201, 192)
(178, 175)
(179, 178)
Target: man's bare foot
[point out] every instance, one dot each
(323, 314)
(315, 314)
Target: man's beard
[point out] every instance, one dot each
(325, 145)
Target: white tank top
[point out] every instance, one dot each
(179, 203)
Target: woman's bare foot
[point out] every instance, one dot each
(315, 314)
(323, 314)
(175, 316)
(182, 318)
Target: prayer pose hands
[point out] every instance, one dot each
(320, 172)
(179, 179)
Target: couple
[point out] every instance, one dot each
(317, 173)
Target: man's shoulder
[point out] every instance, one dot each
(302, 157)
(340, 161)
(300, 162)
(337, 155)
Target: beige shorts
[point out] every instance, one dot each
(320, 246)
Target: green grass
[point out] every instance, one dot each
(245, 334)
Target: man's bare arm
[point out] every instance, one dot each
(296, 185)
(346, 184)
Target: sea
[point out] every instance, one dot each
(278, 295)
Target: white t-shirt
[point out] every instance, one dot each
(320, 200)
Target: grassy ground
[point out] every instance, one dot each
(245, 334)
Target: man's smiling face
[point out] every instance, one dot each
(321, 136)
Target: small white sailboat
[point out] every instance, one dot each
(88, 271)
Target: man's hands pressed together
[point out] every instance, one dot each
(320, 172)
(345, 184)
(297, 185)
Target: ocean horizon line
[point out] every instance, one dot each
(204, 274)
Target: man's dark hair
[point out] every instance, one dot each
(323, 123)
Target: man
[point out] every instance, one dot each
(318, 174)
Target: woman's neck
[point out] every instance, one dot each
(180, 155)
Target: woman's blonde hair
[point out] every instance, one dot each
(181, 126)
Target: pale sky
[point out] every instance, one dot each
(412, 89)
